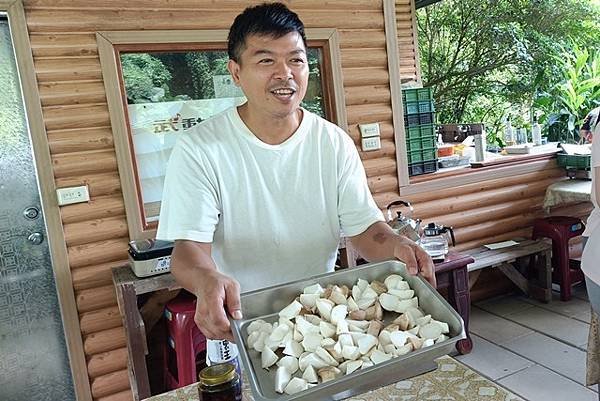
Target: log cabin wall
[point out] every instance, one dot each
(62, 35)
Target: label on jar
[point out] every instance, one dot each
(222, 351)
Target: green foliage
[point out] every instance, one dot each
(566, 103)
(145, 77)
(488, 59)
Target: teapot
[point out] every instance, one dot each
(403, 225)
(435, 240)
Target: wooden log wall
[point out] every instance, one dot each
(62, 35)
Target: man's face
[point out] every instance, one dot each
(273, 73)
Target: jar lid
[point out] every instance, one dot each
(217, 374)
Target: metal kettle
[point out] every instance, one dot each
(403, 224)
(435, 240)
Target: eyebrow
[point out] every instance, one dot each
(265, 52)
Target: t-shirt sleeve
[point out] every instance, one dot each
(357, 209)
(190, 203)
(596, 148)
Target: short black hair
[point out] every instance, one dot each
(271, 19)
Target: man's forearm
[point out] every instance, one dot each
(188, 261)
(376, 243)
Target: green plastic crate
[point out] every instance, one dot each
(428, 142)
(574, 161)
(415, 156)
(424, 94)
(414, 144)
(410, 95)
(420, 106)
(413, 132)
(429, 154)
(420, 131)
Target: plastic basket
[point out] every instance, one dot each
(428, 142)
(415, 169)
(430, 166)
(429, 154)
(415, 156)
(411, 120)
(425, 94)
(414, 94)
(414, 144)
(420, 106)
(410, 95)
(581, 162)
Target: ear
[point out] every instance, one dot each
(234, 70)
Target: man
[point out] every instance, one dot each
(585, 132)
(259, 194)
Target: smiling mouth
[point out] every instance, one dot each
(283, 91)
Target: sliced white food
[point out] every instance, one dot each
(282, 378)
(309, 300)
(310, 374)
(338, 313)
(314, 289)
(353, 365)
(289, 362)
(268, 358)
(378, 357)
(327, 329)
(293, 348)
(296, 385)
(430, 331)
(312, 341)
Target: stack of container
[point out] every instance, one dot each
(419, 126)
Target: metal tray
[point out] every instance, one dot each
(266, 303)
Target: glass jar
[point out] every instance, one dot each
(219, 383)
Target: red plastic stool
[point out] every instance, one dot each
(560, 229)
(185, 349)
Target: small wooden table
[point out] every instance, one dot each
(537, 280)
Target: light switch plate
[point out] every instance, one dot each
(371, 143)
(369, 130)
(70, 195)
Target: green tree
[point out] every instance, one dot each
(486, 59)
(146, 77)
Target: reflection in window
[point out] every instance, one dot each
(169, 92)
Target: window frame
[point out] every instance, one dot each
(112, 43)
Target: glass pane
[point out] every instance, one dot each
(169, 92)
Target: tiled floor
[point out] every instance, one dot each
(535, 350)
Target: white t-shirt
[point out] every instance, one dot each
(593, 220)
(273, 213)
(590, 260)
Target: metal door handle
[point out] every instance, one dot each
(36, 238)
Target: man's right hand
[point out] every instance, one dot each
(217, 296)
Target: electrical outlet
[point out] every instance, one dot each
(70, 195)
(371, 143)
(369, 130)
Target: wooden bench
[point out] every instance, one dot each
(527, 264)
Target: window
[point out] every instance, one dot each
(159, 84)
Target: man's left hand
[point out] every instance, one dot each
(415, 258)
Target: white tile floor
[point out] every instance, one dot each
(535, 350)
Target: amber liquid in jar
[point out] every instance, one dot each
(220, 383)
